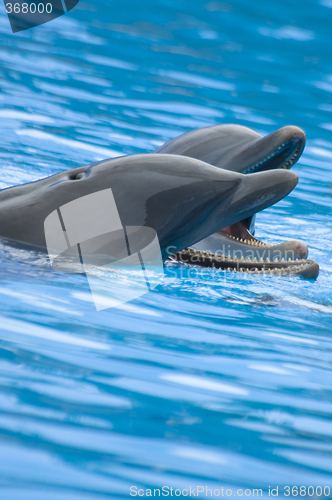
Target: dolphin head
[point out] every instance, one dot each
(239, 149)
(183, 199)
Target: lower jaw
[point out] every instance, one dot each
(250, 255)
(306, 268)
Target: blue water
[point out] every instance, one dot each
(212, 379)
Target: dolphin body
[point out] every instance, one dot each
(241, 149)
(183, 199)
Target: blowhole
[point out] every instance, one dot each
(76, 177)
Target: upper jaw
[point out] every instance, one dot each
(281, 149)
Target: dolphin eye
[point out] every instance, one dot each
(76, 177)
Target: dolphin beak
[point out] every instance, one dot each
(281, 149)
(258, 191)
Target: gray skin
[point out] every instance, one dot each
(183, 199)
(241, 149)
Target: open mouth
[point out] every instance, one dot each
(305, 268)
(235, 248)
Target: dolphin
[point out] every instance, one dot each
(240, 149)
(183, 199)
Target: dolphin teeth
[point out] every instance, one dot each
(242, 258)
(241, 240)
(248, 259)
(261, 259)
(255, 260)
(235, 258)
(267, 259)
(283, 260)
(289, 260)
(276, 259)
(245, 241)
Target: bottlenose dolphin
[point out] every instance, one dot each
(241, 149)
(183, 199)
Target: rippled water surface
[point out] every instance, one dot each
(211, 379)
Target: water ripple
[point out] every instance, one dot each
(212, 378)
